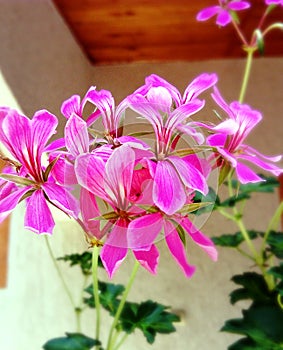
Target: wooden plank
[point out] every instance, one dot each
(135, 30)
(4, 239)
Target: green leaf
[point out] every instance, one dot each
(277, 271)
(260, 323)
(150, 317)
(231, 201)
(84, 261)
(233, 240)
(108, 296)
(254, 288)
(275, 242)
(245, 344)
(72, 341)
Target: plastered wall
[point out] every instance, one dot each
(42, 65)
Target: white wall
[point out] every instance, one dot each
(43, 64)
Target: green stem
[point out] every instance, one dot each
(95, 255)
(249, 242)
(250, 51)
(110, 342)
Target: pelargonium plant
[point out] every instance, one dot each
(127, 191)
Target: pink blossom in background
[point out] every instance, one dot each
(274, 2)
(222, 11)
(229, 137)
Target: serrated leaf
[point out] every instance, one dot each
(260, 323)
(233, 240)
(231, 201)
(84, 261)
(277, 271)
(150, 317)
(254, 288)
(108, 296)
(72, 341)
(275, 242)
(245, 344)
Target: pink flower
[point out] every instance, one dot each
(229, 136)
(174, 177)
(112, 182)
(274, 2)
(153, 224)
(222, 11)
(26, 139)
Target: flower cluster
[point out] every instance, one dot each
(134, 188)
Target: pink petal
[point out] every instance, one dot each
(71, 106)
(208, 12)
(38, 217)
(238, 5)
(253, 152)
(246, 175)
(177, 249)
(148, 259)
(183, 112)
(223, 18)
(228, 156)
(216, 140)
(168, 190)
(191, 177)
(198, 85)
(119, 172)
(90, 172)
(43, 126)
(63, 171)
(90, 211)
(228, 127)
(76, 136)
(8, 203)
(55, 145)
(200, 239)
(112, 258)
(143, 231)
(117, 237)
(154, 80)
(272, 168)
(61, 198)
